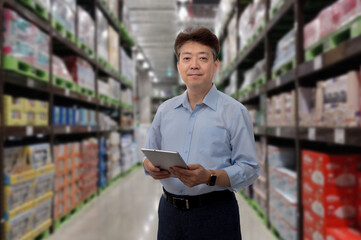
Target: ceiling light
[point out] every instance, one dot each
(183, 13)
(151, 74)
(140, 57)
(145, 65)
(155, 80)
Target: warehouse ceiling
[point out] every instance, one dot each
(155, 23)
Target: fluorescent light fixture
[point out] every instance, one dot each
(145, 65)
(151, 74)
(155, 80)
(140, 56)
(183, 13)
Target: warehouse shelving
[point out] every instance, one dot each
(27, 86)
(341, 59)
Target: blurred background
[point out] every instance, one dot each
(82, 80)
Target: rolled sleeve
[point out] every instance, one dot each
(245, 168)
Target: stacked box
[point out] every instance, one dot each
(86, 28)
(67, 158)
(126, 65)
(22, 111)
(341, 104)
(88, 168)
(114, 87)
(114, 155)
(102, 176)
(286, 50)
(342, 233)
(28, 185)
(328, 190)
(24, 41)
(126, 144)
(113, 48)
(114, 7)
(64, 13)
(103, 36)
(60, 69)
(330, 19)
(82, 72)
(283, 190)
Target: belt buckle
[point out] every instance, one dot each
(183, 202)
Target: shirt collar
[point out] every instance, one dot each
(210, 99)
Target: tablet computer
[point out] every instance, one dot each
(164, 159)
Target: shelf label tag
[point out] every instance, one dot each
(278, 132)
(89, 98)
(278, 81)
(30, 82)
(339, 135)
(317, 63)
(29, 131)
(89, 128)
(257, 91)
(312, 134)
(67, 92)
(256, 130)
(67, 129)
(101, 102)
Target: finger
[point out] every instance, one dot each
(194, 166)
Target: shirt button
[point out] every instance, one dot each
(189, 133)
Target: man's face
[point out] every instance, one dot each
(196, 65)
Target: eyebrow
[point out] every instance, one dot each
(197, 53)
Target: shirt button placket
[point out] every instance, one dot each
(189, 135)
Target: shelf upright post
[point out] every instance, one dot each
(299, 24)
(2, 167)
(268, 59)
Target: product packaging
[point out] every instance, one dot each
(86, 28)
(64, 13)
(102, 36)
(113, 48)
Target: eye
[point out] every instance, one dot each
(204, 59)
(186, 58)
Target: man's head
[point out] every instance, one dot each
(200, 35)
(197, 63)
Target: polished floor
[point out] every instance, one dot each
(128, 210)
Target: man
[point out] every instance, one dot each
(213, 134)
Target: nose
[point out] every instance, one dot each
(194, 64)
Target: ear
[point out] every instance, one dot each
(178, 66)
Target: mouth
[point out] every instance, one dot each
(194, 75)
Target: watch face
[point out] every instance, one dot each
(212, 182)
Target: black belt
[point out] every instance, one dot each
(185, 202)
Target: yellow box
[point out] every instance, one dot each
(18, 196)
(38, 155)
(44, 226)
(20, 227)
(113, 48)
(41, 119)
(42, 106)
(14, 117)
(30, 118)
(13, 103)
(29, 105)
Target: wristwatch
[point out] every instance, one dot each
(212, 178)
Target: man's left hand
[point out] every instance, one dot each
(194, 175)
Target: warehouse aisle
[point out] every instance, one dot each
(128, 210)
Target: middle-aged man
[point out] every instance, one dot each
(213, 134)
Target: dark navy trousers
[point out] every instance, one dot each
(218, 220)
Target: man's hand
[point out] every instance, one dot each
(193, 176)
(155, 172)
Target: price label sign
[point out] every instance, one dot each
(278, 81)
(67, 92)
(278, 132)
(29, 131)
(256, 131)
(89, 98)
(317, 63)
(89, 129)
(312, 134)
(101, 102)
(257, 91)
(30, 82)
(67, 129)
(339, 135)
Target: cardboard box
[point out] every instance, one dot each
(306, 106)
(329, 170)
(103, 36)
(342, 233)
(86, 28)
(315, 227)
(330, 203)
(281, 157)
(341, 101)
(39, 155)
(113, 48)
(311, 33)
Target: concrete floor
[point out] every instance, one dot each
(128, 210)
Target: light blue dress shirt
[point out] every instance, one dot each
(217, 134)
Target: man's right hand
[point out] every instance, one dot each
(155, 172)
